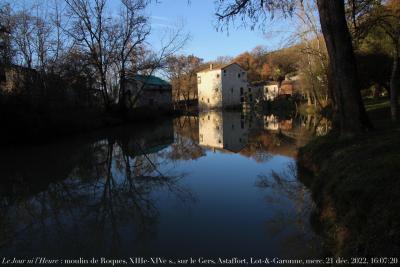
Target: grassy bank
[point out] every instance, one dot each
(355, 184)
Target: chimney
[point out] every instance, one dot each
(211, 66)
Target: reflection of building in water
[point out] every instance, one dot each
(286, 125)
(223, 130)
(273, 123)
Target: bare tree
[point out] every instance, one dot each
(181, 70)
(6, 28)
(133, 28)
(59, 39)
(24, 37)
(95, 32)
(314, 55)
(171, 43)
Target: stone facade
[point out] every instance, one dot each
(222, 87)
(154, 92)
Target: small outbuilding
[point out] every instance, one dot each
(154, 91)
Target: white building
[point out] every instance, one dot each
(223, 130)
(271, 91)
(223, 86)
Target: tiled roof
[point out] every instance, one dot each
(219, 67)
(151, 80)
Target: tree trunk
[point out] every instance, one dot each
(394, 86)
(122, 90)
(351, 113)
(309, 103)
(103, 83)
(377, 90)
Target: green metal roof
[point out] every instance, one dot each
(151, 80)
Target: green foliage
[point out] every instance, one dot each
(374, 68)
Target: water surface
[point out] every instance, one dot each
(220, 184)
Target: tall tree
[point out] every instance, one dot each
(385, 18)
(351, 114)
(132, 28)
(181, 70)
(94, 31)
(6, 27)
(24, 37)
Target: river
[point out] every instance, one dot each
(221, 184)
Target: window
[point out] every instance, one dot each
(216, 89)
(249, 89)
(238, 75)
(208, 100)
(217, 75)
(251, 98)
(242, 99)
(224, 72)
(219, 141)
(241, 90)
(242, 124)
(201, 138)
(217, 127)
(199, 79)
(208, 117)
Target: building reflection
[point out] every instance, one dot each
(150, 141)
(223, 130)
(94, 196)
(101, 194)
(274, 123)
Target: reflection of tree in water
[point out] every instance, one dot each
(186, 143)
(290, 134)
(286, 193)
(108, 188)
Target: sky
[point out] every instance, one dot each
(206, 42)
(199, 20)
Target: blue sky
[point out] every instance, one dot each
(198, 17)
(199, 20)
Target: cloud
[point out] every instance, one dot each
(163, 22)
(163, 25)
(160, 18)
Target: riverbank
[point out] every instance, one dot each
(355, 184)
(41, 126)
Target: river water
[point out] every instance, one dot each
(221, 184)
